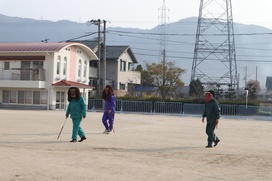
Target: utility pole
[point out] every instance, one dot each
(98, 23)
(104, 55)
(256, 73)
(245, 69)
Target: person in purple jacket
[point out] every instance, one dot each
(109, 111)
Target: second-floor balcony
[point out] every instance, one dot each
(23, 74)
(22, 77)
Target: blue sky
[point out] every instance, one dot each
(131, 13)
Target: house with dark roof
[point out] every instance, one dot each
(38, 75)
(120, 62)
(268, 83)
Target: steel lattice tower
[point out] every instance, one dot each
(214, 62)
(163, 19)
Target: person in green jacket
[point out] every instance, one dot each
(212, 114)
(77, 110)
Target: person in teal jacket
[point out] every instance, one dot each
(212, 113)
(77, 110)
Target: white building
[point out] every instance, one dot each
(38, 75)
(120, 67)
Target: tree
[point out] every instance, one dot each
(166, 76)
(139, 68)
(146, 78)
(196, 89)
(253, 86)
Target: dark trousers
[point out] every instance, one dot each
(210, 127)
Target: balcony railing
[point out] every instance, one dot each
(23, 74)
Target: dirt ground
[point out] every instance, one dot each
(143, 148)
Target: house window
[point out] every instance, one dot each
(122, 65)
(25, 72)
(6, 65)
(60, 97)
(64, 66)
(85, 69)
(58, 66)
(13, 97)
(36, 97)
(37, 64)
(25, 97)
(79, 68)
(21, 97)
(6, 96)
(122, 86)
(130, 66)
(93, 82)
(39, 97)
(93, 63)
(44, 97)
(9, 96)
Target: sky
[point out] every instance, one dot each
(143, 14)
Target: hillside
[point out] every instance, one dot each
(253, 43)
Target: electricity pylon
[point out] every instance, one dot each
(214, 61)
(163, 18)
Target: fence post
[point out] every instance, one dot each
(121, 109)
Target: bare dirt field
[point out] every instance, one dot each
(143, 148)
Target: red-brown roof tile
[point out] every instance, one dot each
(32, 47)
(66, 83)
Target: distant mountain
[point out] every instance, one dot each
(253, 43)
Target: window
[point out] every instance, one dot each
(122, 86)
(44, 97)
(9, 96)
(130, 66)
(85, 69)
(37, 64)
(60, 96)
(25, 72)
(79, 68)
(13, 96)
(93, 82)
(28, 97)
(6, 65)
(64, 66)
(21, 97)
(122, 65)
(93, 63)
(58, 66)
(25, 97)
(6, 95)
(39, 97)
(36, 97)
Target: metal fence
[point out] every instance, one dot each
(179, 108)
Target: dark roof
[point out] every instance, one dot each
(113, 52)
(66, 83)
(268, 83)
